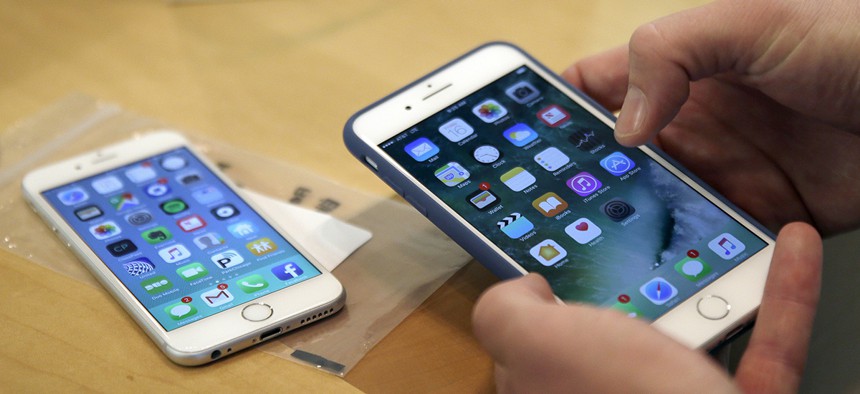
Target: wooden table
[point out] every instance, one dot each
(279, 79)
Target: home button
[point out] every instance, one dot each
(713, 307)
(257, 312)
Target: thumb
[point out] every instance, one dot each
(494, 308)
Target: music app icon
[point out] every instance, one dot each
(174, 253)
(726, 246)
(584, 184)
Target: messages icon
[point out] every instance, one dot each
(421, 149)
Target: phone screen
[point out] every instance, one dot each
(545, 181)
(178, 238)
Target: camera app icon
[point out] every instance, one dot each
(522, 92)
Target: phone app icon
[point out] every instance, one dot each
(486, 154)
(105, 230)
(141, 173)
(553, 116)
(174, 253)
(105, 185)
(188, 178)
(617, 163)
(242, 229)
(173, 163)
(138, 266)
(227, 259)
(207, 195)
(287, 271)
(452, 174)
(252, 283)
(584, 184)
(191, 223)
(421, 149)
(551, 159)
(628, 309)
(72, 196)
(156, 235)
(88, 213)
(515, 225)
(217, 296)
(520, 134)
(138, 218)
(455, 130)
(550, 204)
(483, 199)
(518, 179)
(548, 252)
(156, 285)
(224, 211)
(180, 310)
(209, 241)
(617, 209)
(192, 271)
(157, 188)
(726, 246)
(693, 269)
(583, 231)
(489, 111)
(261, 246)
(658, 290)
(585, 140)
(121, 248)
(522, 92)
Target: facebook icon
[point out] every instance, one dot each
(287, 271)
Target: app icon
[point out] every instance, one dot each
(157, 188)
(548, 252)
(108, 184)
(208, 241)
(217, 297)
(180, 310)
(156, 235)
(227, 259)
(583, 231)
(553, 116)
(489, 111)
(174, 253)
(628, 309)
(174, 206)
(515, 225)
(726, 246)
(483, 199)
(121, 248)
(585, 140)
(124, 201)
(105, 230)
(89, 212)
(287, 271)
(550, 204)
(242, 229)
(456, 129)
(551, 159)
(252, 283)
(207, 195)
(138, 266)
(188, 177)
(584, 184)
(658, 290)
(73, 196)
(141, 173)
(693, 268)
(173, 163)
(261, 246)
(522, 92)
(520, 134)
(138, 218)
(452, 174)
(225, 211)
(191, 223)
(517, 179)
(421, 149)
(617, 163)
(158, 284)
(617, 209)
(192, 271)
(486, 154)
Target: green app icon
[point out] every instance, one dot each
(192, 271)
(253, 283)
(174, 206)
(157, 235)
(180, 310)
(628, 309)
(156, 285)
(693, 269)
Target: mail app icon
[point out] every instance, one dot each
(421, 149)
(216, 297)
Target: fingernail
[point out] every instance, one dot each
(632, 113)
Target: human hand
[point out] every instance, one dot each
(759, 98)
(542, 346)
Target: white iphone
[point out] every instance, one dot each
(192, 260)
(522, 170)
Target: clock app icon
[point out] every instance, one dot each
(486, 154)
